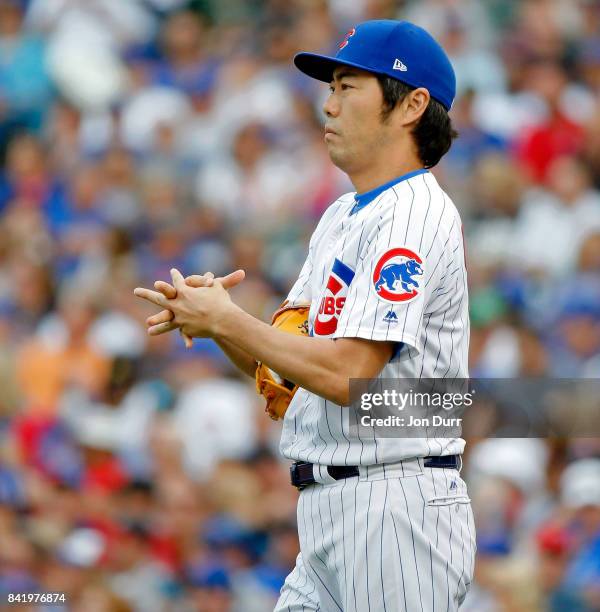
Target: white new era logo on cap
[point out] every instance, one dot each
(398, 65)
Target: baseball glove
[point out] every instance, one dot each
(277, 391)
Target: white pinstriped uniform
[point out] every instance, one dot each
(400, 536)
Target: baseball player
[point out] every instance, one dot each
(385, 524)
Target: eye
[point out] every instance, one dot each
(343, 87)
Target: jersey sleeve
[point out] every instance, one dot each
(400, 270)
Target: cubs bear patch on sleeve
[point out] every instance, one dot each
(396, 275)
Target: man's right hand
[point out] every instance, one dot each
(162, 322)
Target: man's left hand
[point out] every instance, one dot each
(196, 311)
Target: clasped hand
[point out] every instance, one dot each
(194, 305)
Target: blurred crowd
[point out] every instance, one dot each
(136, 475)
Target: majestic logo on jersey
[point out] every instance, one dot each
(390, 317)
(333, 300)
(395, 276)
(347, 38)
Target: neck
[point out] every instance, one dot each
(370, 178)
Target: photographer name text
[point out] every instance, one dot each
(412, 421)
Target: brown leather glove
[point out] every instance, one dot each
(277, 391)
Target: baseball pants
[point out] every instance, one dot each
(397, 538)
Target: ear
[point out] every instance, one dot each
(414, 105)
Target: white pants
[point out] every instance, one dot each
(398, 538)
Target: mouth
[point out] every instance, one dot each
(329, 134)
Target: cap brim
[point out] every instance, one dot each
(321, 67)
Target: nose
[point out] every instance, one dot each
(331, 107)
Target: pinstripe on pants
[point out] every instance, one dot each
(400, 539)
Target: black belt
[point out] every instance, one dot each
(301, 473)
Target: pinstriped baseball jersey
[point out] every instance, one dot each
(387, 265)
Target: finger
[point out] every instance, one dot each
(152, 296)
(162, 317)
(197, 280)
(233, 279)
(178, 280)
(162, 328)
(189, 342)
(167, 290)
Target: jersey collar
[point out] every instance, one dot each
(362, 199)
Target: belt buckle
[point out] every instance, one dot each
(453, 462)
(295, 477)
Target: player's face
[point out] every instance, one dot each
(354, 132)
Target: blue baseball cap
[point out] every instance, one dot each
(398, 49)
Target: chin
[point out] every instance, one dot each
(338, 158)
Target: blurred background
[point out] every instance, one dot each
(140, 134)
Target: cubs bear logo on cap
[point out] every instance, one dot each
(344, 42)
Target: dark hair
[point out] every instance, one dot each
(433, 133)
